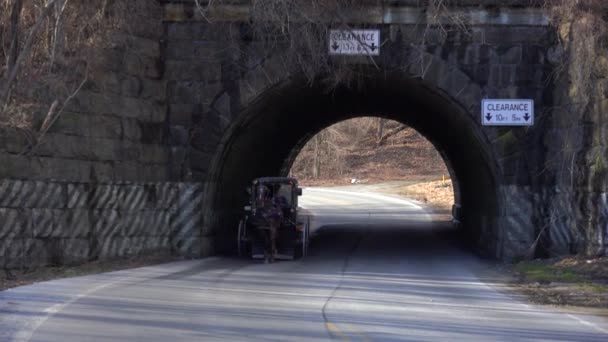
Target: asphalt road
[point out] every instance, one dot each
(364, 280)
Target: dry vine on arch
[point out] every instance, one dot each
(295, 33)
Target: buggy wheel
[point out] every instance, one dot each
(241, 238)
(305, 237)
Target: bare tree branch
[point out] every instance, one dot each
(4, 98)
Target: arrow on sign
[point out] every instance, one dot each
(527, 117)
(335, 46)
(374, 47)
(488, 117)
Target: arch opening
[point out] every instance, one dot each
(266, 138)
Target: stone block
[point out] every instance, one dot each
(509, 54)
(15, 223)
(155, 90)
(471, 96)
(46, 223)
(160, 224)
(167, 195)
(131, 129)
(114, 247)
(207, 246)
(156, 154)
(112, 104)
(107, 223)
(64, 146)
(181, 70)
(562, 234)
(519, 200)
(104, 197)
(201, 31)
(127, 171)
(502, 75)
(101, 126)
(144, 110)
(75, 251)
(13, 141)
(185, 91)
(518, 228)
(179, 135)
(501, 34)
(31, 194)
(200, 160)
(536, 55)
(129, 150)
(100, 149)
(133, 197)
(142, 66)
(189, 247)
(141, 46)
(201, 51)
(156, 245)
(95, 103)
(12, 253)
(178, 167)
(533, 75)
(135, 223)
(75, 223)
(103, 81)
(184, 113)
(154, 173)
(454, 82)
(102, 171)
(77, 195)
(478, 54)
(16, 166)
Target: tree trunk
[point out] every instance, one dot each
(316, 159)
(14, 34)
(27, 47)
(381, 123)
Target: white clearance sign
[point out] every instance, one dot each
(507, 112)
(354, 42)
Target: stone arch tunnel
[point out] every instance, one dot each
(154, 152)
(268, 134)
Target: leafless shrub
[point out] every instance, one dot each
(47, 48)
(582, 31)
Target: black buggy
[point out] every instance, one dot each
(293, 232)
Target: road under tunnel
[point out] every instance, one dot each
(267, 136)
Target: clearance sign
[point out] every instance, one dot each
(354, 42)
(507, 112)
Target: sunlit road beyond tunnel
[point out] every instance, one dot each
(367, 278)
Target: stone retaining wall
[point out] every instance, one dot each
(57, 223)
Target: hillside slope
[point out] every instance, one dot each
(361, 149)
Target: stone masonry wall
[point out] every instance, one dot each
(214, 71)
(58, 223)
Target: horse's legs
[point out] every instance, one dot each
(273, 240)
(267, 246)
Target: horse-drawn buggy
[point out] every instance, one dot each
(271, 228)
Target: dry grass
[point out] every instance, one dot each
(437, 194)
(575, 281)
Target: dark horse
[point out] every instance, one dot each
(267, 221)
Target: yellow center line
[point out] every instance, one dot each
(335, 332)
(342, 335)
